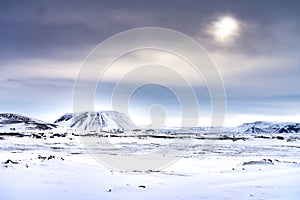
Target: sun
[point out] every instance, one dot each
(225, 29)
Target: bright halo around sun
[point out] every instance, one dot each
(225, 29)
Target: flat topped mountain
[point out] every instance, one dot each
(107, 121)
(10, 122)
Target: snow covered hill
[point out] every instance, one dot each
(106, 121)
(10, 122)
(267, 127)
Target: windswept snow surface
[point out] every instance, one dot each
(61, 168)
(236, 164)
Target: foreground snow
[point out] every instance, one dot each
(60, 168)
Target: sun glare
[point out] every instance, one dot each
(225, 29)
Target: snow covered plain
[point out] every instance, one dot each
(60, 167)
(40, 160)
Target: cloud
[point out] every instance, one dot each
(40, 68)
(43, 44)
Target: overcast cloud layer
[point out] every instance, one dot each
(43, 44)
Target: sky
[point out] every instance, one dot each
(255, 45)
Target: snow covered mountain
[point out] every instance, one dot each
(268, 127)
(106, 121)
(10, 122)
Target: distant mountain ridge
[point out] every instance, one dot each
(115, 122)
(268, 127)
(10, 122)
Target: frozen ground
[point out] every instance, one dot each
(60, 168)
